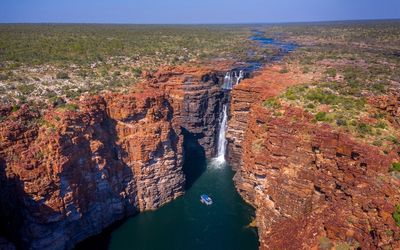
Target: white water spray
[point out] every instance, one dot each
(232, 78)
(240, 77)
(220, 159)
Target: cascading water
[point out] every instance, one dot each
(240, 77)
(232, 78)
(220, 159)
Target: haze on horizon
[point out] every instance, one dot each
(194, 12)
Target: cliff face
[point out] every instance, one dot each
(197, 100)
(83, 170)
(312, 187)
(269, 82)
(68, 174)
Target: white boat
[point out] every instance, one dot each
(205, 199)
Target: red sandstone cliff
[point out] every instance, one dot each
(85, 169)
(312, 186)
(65, 175)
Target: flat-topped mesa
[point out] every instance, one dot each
(67, 174)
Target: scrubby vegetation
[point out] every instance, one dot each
(42, 61)
(352, 63)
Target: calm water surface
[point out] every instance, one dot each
(188, 224)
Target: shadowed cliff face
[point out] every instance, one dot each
(196, 97)
(86, 169)
(72, 173)
(309, 183)
(194, 158)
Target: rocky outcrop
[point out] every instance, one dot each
(66, 174)
(312, 187)
(82, 170)
(197, 99)
(267, 83)
(389, 103)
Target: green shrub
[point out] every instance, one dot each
(343, 246)
(381, 125)
(56, 101)
(272, 103)
(137, 72)
(15, 108)
(306, 70)
(364, 128)
(69, 106)
(62, 75)
(396, 215)
(284, 70)
(26, 89)
(378, 87)
(377, 143)
(3, 77)
(325, 243)
(341, 122)
(321, 116)
(310, 106)
(330, 72)
(395, 167)
(392, 139)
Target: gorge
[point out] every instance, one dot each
(149, 154)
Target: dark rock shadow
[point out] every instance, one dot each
(100, 241)
(194, 158)
(12, 207)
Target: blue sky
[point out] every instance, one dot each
(194, 11)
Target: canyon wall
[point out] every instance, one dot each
(197, 98)
(66, 174)
(312, 187)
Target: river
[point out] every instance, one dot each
(186, 223)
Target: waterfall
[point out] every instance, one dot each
(221, 136)
(240, 77)
(232, 78)
(227, 81)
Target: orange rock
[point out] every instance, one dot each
(306, 179)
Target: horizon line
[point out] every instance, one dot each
(221, 23)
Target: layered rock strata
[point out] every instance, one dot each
(197, 99)
(66, 174)
(267, 83)
(312, 186)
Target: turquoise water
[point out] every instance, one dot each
(185, 223)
